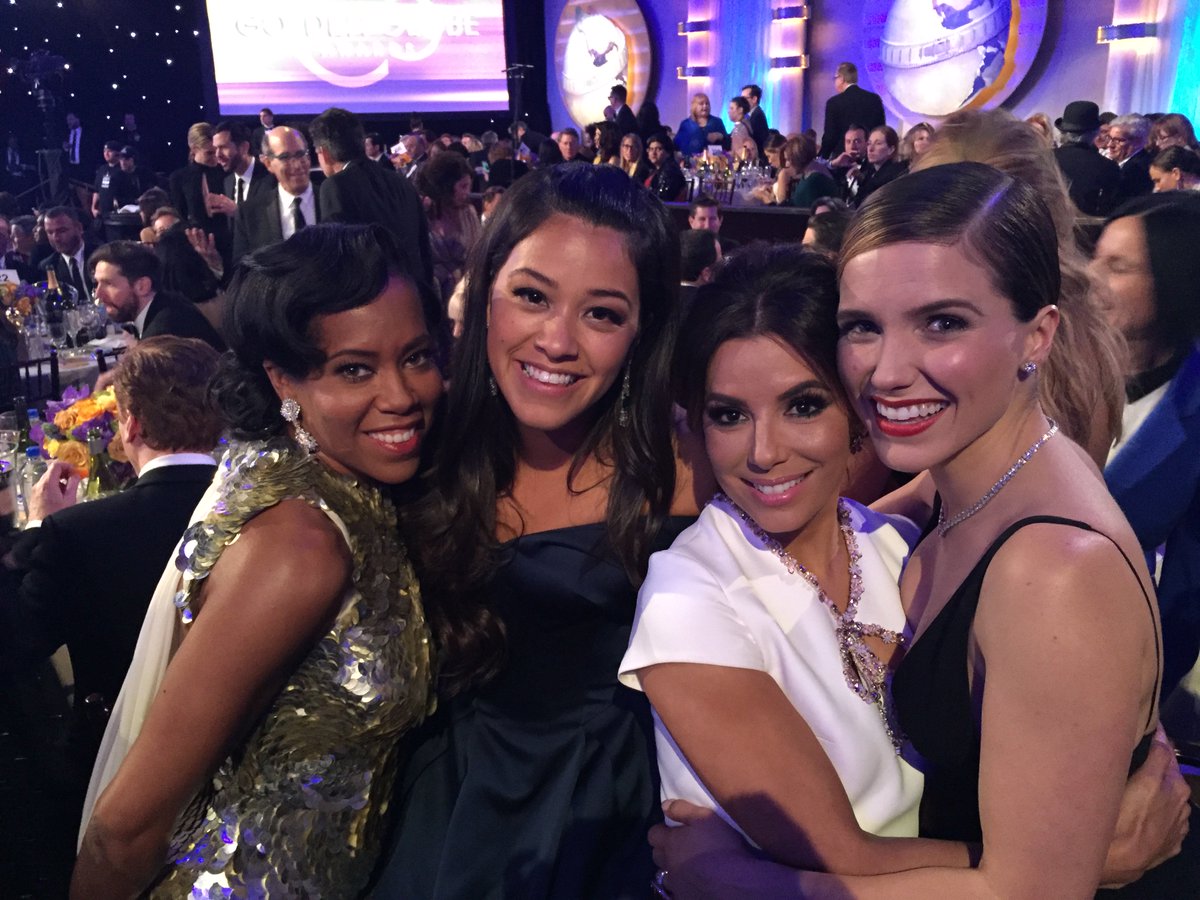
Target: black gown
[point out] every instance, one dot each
(933, 704)
(544, 783)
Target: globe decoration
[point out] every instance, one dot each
(928, 59)
(598, 44)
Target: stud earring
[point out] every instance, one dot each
(1029, 368)
(290, 410)
(856, 442)
(492, 389)
(623, 401)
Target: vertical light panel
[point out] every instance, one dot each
(784, 95)
(1185, 94)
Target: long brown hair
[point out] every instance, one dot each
(1082, 384)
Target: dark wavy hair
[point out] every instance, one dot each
(478, 454)
(763, 290)
(437, 178)
(274, 299)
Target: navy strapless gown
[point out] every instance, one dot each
(542, 784)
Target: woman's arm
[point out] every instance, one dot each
(758, 757)
(271, 595)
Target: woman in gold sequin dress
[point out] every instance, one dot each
(263, 765)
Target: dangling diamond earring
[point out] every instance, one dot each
(1028, 368)
(856, 442)
(290, 410)
(623, 401)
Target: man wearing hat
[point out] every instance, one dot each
(1092, 180)
(135, 180)
(103, 200)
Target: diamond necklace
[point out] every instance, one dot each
(865, 673)
(943, 525)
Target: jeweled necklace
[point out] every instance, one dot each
(943, 525)
(865, 672)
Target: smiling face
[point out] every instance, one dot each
(629, 151)
(288, 160)
(776, 437)
(562, 318)
(369, 405)
(878, 149)
(930, 350)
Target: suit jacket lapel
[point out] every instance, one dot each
(1165, 430)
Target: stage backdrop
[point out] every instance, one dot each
(301, 56)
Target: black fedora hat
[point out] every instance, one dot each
(1079, 116)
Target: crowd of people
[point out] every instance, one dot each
(480, 509)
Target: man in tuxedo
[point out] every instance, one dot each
(851, 105)
(20, 253)
(357, 192)
(266, 121)
(757, 120)
(1127, 137)
(244, 178)
(71, 251)
(83, 575)
(622, 114)
(275, 215)
(1092, 180)
(376, 151)
(73, 147)
(128, 276)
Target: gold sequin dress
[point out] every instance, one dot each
(297, 810)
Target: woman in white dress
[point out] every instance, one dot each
(747, 655)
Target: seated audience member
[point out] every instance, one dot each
(1092, 180)
(20, 249)
(129, 284)
(415, 155)
(454, 227)
(1174, 130)
(915, 141)
(164, 219)
(568, 146)
(1148, 268)
(606, 136)
(773, 151)
(827, 229)
(665, 179)
(70, 250)
(704, 214)
(633, 158)
(490, 200)
(882, 165)
(357, 193)
(548, 154)
(699, 130)
(1127, 137)
(699, 252)
(376, 151)
(1175, 169)
(503, 167)
(84, 577)
(829, 203)
(185, 272)
(802, 178)
(149, 202)
(845, 165)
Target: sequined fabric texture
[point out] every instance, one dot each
(298, 809)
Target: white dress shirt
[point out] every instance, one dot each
(308, 206)
(246, 177)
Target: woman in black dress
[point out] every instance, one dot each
(556, 480)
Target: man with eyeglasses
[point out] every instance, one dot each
(1127, 148)
(276, 215)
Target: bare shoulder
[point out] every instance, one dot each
(292, 548)
(1050, 569)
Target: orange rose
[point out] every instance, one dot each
(74, 453)
(116, 449)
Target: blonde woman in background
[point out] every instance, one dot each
(916, 141)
